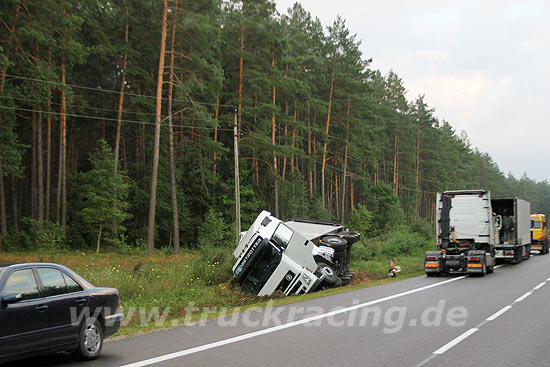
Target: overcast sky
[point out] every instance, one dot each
(483, 65)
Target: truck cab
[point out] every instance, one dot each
(539, 233)
(465, 229)
(295, 257)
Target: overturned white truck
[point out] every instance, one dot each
(295, 257)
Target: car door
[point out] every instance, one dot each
(66, 301)
(24, 324)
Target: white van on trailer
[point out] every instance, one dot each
(295, 257)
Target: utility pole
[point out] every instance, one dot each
(237, 184)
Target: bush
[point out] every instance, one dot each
(403, 242)
(49, 237)
(361, 219)
(364, 251)
(424, 228)
(213, 230)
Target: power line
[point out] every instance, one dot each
(112, 119)
(77, 106)
(98, 89)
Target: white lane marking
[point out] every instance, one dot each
(235, 339)
(523, 297)
(455, 341)
(548, 280)
(498, 313)
(499, 266)
(539, 286)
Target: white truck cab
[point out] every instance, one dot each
(273, 255)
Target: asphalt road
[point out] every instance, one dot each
(499, 320)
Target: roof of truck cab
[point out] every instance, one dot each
(311, 229)
(465, 192)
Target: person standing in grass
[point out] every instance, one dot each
(393, 268)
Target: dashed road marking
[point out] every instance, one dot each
(523, 297)
(498, 313)
(455, 341)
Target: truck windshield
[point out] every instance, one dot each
(535, 224)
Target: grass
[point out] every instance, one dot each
(170, 283)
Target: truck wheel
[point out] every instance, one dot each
(337, 243)
(491, 269)
(527, 249)
(518, 256)
(331, 278)
(483, 269)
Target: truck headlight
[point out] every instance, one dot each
(307, 279)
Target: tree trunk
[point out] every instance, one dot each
(418, 167)
(273, 129)
(34, 200)
(323, 166)
(59, 175)
(40, 174)
(342, 210)
(216, 127)
(175, 217)
(352, 194)
(309, 172)
(48, 160)
(14, 187)
(241, 64)
(121, 95)
(396, 165)
(156, 147)
(63, 153)
(3, 220)
(99, 238)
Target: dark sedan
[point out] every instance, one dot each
(46, 308)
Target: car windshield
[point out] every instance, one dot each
(535, 224)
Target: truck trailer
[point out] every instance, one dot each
(295, 257)
(474, 231)
(513, 242)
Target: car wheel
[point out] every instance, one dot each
(330, 273)
(90, 340)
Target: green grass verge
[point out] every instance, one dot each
(170, 283)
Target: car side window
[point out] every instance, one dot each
(52, 281)
(72, 285)
(22, 282)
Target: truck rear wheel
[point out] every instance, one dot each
(518, 256)
(527, 249)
